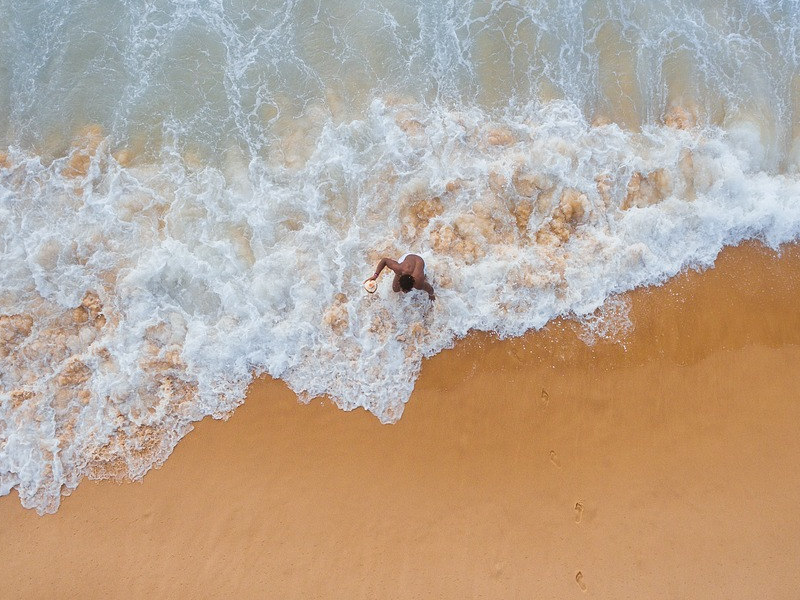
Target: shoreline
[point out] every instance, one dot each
(652, 466)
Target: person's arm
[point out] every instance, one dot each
(428, 288)
(385, 262)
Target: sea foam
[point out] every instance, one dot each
(140, 299)
(191, 195)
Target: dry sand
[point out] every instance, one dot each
(532, 468)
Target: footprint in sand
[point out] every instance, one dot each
(545, 401)
(579, 581)
(578, 512)
(497, 570)
(554, 459)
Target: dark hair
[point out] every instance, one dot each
(406, 282)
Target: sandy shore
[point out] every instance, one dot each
(531, 468)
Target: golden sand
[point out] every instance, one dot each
(664, 466)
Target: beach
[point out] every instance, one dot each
(192, 195)
(598, 395)
(657, 463)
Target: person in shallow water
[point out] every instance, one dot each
(409, 273)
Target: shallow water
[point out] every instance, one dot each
(192, 194)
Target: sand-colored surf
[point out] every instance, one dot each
(658, 465)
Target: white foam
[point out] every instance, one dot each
(204, 283)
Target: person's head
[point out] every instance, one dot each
(406, 282)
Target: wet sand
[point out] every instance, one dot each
(661, 465)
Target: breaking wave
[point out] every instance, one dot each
(146, 283)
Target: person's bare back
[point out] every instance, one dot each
(409, 274)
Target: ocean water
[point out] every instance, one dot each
(191, 194)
